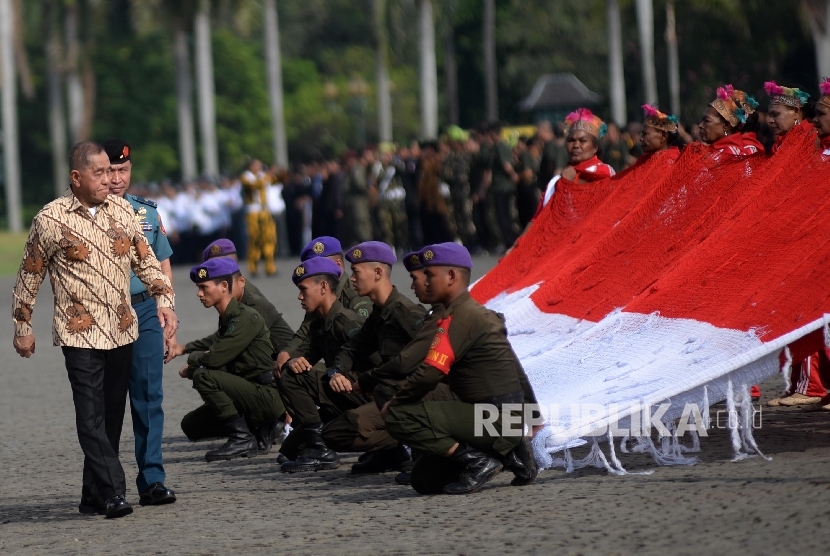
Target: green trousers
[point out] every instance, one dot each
(225, 396)
(433, 427)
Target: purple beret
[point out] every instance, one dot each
(315, 267)
(220, 267)
(446, 254)
(323, 246)
(412, 261)
(371, 252)
(219, 248)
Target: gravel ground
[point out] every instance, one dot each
(249, 507)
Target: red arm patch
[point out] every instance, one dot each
(441, 355)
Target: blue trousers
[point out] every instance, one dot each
(146, 395)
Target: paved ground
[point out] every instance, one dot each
(247, 506)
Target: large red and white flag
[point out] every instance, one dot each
(668, 284)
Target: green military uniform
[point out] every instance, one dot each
(232, 371)
(307, 395)
(470, 350)
(358, 210)
(387, 331)
(394, 225)
(455, 171)
(485, 211)
(504, 194)
(527, 192)
(202, 422)
(615, 154)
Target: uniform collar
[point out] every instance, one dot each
(336, 309)
(449, 308)
(387, 306)
(343, 286)
(232, 310)
(74, 205)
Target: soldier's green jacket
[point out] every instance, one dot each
(350, 300)
(241, 346)
(501, 179)
(470, 348)
(387, 331)
(279, 332)
(397, 370)
(326, 336)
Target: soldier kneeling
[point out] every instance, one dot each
(232, 369)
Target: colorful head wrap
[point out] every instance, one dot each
(795, 98)
(584, 119)
(732, 105)
(660, 120)
(824, 87)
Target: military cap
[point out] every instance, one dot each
(412, 261)
(371, 252)
(315, 267)
(446, 254)
(117, 150)
(219, 248)
(213, 269)
(323, 246)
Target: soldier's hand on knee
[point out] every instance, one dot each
(282, 359)
(340, 383)
(299, 365)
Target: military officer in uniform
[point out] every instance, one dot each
(305, 388)
(146, 392)
(455, 171)
(203, 423)
(470, 350)
(262, 230)
(232, 369)
(329, 247)
(393, 323)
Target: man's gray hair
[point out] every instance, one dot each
(80, 154)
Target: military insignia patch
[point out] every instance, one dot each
(429, 255)
(299, 271)
(125, 152)
(357, 254)
(318, 248)
(414, 260)
(202, 273)
(215, 250)
(363, 313)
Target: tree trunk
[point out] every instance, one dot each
(11, 147)
(74, 86)
(206, 91)
(615, 62)
(674, 59)
(24, 70)
(54, 99)
(451, 75)
(429, 72)
(491, 91)
(645, 24)
(384, 96)
(274, 69)
(819, 17)
(184, 102)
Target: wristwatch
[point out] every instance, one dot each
(333, 371)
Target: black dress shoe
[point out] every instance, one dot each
(92, 505)
(476, 469)
(316, 456)
(156, 495)
(522, 463)
(117, 506)
(382, 461)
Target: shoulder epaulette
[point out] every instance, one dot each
(144, 201)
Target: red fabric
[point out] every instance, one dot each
(805, 125)
(751, 143)
(740, 243)
(825, 143)
(441, 355)
(806, 375)
(601, 171)
(731, 143)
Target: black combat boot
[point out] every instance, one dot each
(405, 475)
(382, 461)
(476, 469)
(264, 436)
(241, 443)
(522, 463)
(316, 455)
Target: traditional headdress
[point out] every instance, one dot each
(660, 120)
(824, 87)
(729, 107)
(584, 119)
(796, 98)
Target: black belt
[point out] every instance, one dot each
(139, 298)
(266, 378)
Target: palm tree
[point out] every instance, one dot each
(205, 90)
(384, 96)
(645, 24)
(274, 71)
(428, 71)
(491, 92)
(446, 18)
(674, 58)
(54, 94)
(11, 145)
(615, 61)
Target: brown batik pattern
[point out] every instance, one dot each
(89, 259)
